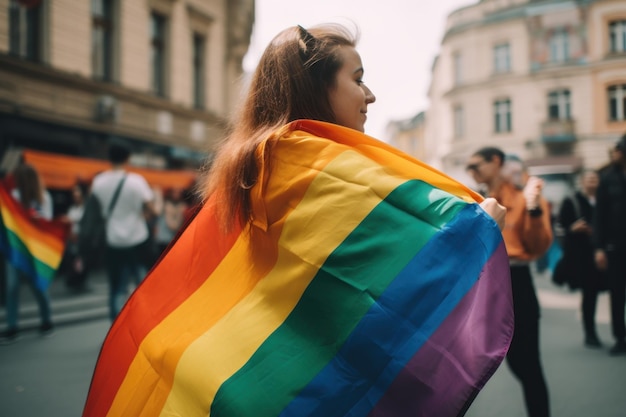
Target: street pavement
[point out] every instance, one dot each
(67, 306)
(51, 376)
(582, 382)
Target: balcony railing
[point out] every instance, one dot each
(558, 131)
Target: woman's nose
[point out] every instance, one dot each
(369, 96)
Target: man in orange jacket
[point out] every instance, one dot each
(527, 234)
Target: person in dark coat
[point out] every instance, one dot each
(576, 217)
(609, 239)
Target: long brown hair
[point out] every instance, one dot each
(291, 82)
(29, 184)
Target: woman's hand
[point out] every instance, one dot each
(495, 210)
(532, 192)
(601, 259)
(581, 226)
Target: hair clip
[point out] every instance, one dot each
(307, 43)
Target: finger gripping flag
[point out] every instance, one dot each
(368, 284)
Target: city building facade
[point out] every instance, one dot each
(545, 80)
(161, 74)
(407, 135)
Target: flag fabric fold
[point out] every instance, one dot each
(368, 284)
(33, 246)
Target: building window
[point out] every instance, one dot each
(459, 127)
(559, 105)
(617, 102)
(102, 39)
(559, 46)
(157, 44)
(25, 27)
(458, 68)
(617, 36)
(502, 115)
(501, 58)
(198, 66)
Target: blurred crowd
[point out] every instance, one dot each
(138, 225)
(582, 244)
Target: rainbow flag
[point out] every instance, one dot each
(33, 246)
(368, 284)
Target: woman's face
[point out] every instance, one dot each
(349, 96)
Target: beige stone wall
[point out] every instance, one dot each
(67, 46)
(609, 69)
(600, 14)
(207, 18)
(69, 43)
(134, 52)
(63, 91)
(526, 86)
(180, 56)
(4, 26)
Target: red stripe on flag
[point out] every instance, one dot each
(167, 294)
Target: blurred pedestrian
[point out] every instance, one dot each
(171, 218)
(576, 219)
(613, 157)
(527, 234)
(609, 238)
(32, 195)
(127, 232)
(76, 274)
(514, 171)
(193, 201)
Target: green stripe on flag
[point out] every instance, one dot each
(349, 282)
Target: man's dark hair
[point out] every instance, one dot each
(119, 153)
(489, 152)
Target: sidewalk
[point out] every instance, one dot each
(67, 306)
(561, 298)
(582, 382)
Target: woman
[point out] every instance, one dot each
(30, 192)
(294, 290)
(576, 218)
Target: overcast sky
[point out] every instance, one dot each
(399, 40)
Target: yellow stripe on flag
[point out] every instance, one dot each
(208, 362)
(199, 316)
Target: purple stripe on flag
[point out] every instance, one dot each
(445, 375)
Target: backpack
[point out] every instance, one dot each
(92, 225)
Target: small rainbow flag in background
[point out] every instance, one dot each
(33, 246)
(368, 284)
